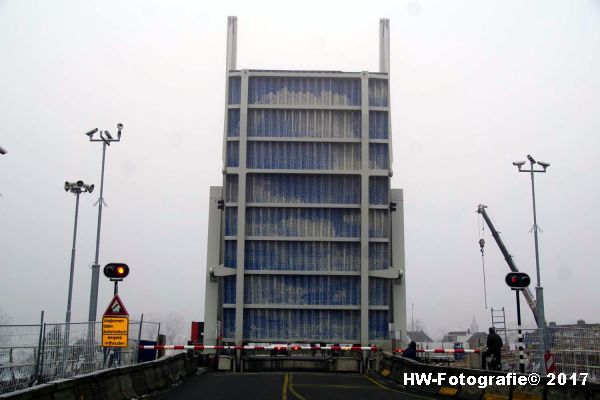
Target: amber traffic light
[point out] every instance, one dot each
(116, 271)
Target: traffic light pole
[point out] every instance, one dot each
(96, 266)
(520, 333)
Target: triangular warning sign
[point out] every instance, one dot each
(116, 307)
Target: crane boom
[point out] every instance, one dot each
(508, 257)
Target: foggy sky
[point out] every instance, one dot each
(474, 86)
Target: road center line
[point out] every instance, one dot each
(285, 387)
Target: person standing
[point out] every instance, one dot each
(494, 347)
(411, 351)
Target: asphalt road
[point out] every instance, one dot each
(284, 386)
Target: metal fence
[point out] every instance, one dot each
(31, 354)
(574, 350)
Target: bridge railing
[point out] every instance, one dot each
(36, 353)
(570, 350)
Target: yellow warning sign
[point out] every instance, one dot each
(115, 331)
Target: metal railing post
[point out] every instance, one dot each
(36, 377)
(41, 372)
(137, 353)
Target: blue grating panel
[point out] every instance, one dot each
(304, 91)
(297, 155)
(233, 154)
(378, 223)
(231, 221)
(229, 322)
(301, 325)
(378, 125)
(379, 187)
(378, 325)
(230, 254)
(379, 292)
(294, 188)
(378, 92)
(303, 222)
(229, 290)
(234, 90)
(233, 122)
(379, 157)
(304, 123)
(302, 289)
(231, 188)
(302, 256)
(378, 256)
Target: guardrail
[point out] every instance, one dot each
(272, 347)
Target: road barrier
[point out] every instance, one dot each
(445, 351)
(271, 347)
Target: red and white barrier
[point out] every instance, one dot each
(271, 347)
(445, 351)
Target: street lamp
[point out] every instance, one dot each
(539, 291)
(106, 138)
(76, 188)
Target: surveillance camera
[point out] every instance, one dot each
(530, 158)
(119, 126)
(2, 151)
(89, 188)
(80, 183)
(544, 164)
(108, 135)
(91, 133)
(67, 186)
(519, 163)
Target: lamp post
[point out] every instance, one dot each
(76, 188)
(539, 291)
(106, 138)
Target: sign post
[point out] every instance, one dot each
(115, 324)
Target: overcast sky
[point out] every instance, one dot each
(475, 86)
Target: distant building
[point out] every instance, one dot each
(458, 336)
(419, 337)
(476, 340)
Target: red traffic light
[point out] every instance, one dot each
(518, 280)
(116, 271)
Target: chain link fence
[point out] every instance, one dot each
(573, 349)
(31, 354)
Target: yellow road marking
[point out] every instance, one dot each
(285, 387)
(296, 394)
(293, 391)
(448, 391)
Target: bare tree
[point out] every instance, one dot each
(5, 319)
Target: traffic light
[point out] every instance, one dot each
(116, 271)
(517, 280)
